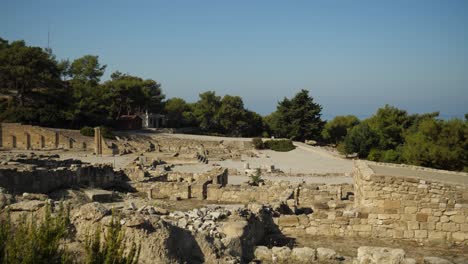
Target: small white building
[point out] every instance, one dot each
(151, 120)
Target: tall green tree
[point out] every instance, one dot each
(87, 70)
(361, 139)
(438, 144)
(337, 129)
(179, 113)
(206, 108)
(298, 118)
(129, 94)
(25, 70)
(231, 116)
(88, 97)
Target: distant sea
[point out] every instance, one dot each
(364, 116)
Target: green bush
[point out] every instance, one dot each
(87, 131)
(258, 143)
(282, 145)
(106, 132)
(256, 178)
(111, 249)
(31, 241)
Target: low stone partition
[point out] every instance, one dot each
(391, 202)
(278, 192)
(408, 202)
(43, 180)
(313, 195)
(164, 190)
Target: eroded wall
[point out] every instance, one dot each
(40, 180)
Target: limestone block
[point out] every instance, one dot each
(263, 253)
(459, 236)
(281, 253)
(413, 225)
(411, 209)
(312, 230)
(392, 204)
(437, 235)
(362, 228)
(30, 206)
(288, 221)
(304, 255)
(458, 219)
(420, 233)
(380, 255)
(464, 227)
(303, 220)
(326, 255)
(408, 234)
(435, 260)
(421, 217)
(444, 219)
(451, 227)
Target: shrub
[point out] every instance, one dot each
(258, 143)
(106, 132)
(87, 131)
(282, 145)
(35, 242)
(111, 249)
(256, 178)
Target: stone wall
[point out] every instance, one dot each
(27, 137)
(39, 180)
(208, 147)
(186, 186)
(245, 194)
(164, 190)
(429, 207)
(412, 202)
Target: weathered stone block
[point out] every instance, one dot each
(413, 225)
(450, 227)
(392, 204)
(411, 209)
(421, 217)
(437, 235)
(362, 228)
(288, 221)
(458, 219)
(420, 233)
(459, 236)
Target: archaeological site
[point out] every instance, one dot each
(204, 199)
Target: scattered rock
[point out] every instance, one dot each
(436, 260)
(281, 253)
(35, 196)
(326, 254)
(380, 255)
(30, 206)
(304, 255)
(92, 211)
(263, 253)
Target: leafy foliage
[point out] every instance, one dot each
(391, 135)
(110, 249)
(282, 145)
(256, 178)
(361, 139)
(337, 129)
(297, 118)
(33, 242)
(87, 131)
(258, 143)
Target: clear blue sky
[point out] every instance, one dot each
(353, 56)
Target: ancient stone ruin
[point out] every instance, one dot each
(183, 207)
